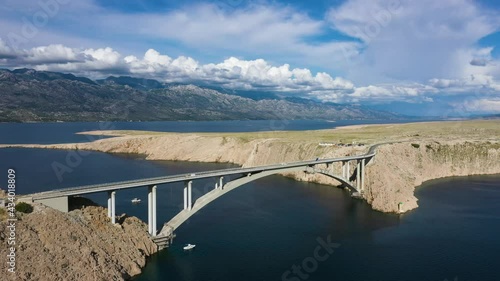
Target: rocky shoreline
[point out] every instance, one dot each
(79, 245)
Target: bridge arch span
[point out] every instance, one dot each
(214, 194)
(343, 181)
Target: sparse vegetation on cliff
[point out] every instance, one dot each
(24, 207)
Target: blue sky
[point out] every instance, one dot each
(429, 57)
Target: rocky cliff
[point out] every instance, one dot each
(79, 245)
(399, 168)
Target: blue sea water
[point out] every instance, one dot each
(48, 133)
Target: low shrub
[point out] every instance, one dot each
(416, 145)
(24, 207)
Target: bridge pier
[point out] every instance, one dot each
(358, 175)
(221, 182)
(363, 164)
(188, 200)
(185, 197)
(348, 171)
(152, 210)
(111, 206)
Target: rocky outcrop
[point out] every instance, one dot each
(399, 168)
(79, 245)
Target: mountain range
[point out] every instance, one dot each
(28, 95)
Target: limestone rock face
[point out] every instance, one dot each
(398, 168)
(79, 245)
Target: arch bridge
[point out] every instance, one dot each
(351, 175)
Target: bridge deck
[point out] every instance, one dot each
(189, 176)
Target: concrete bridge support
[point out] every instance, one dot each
(363, 175)
(188, 200)
(111, 206)
(152, 210)
(185, 197)
(358, 175)
(221, 183)
(348, 171)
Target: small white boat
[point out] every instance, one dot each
(189, 247)
(136, 200)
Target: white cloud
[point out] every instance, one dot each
(413, 40)
(478, 106)
(380, 93)
(254, 29)
(282, 78)
(208, 25)
(50, 54)
(92, 61)
(102, 58)
(471, 83)
(5, 51)
(400, 41)
(232, 73)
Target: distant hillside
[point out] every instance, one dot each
(28, 95)
(136, 83)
